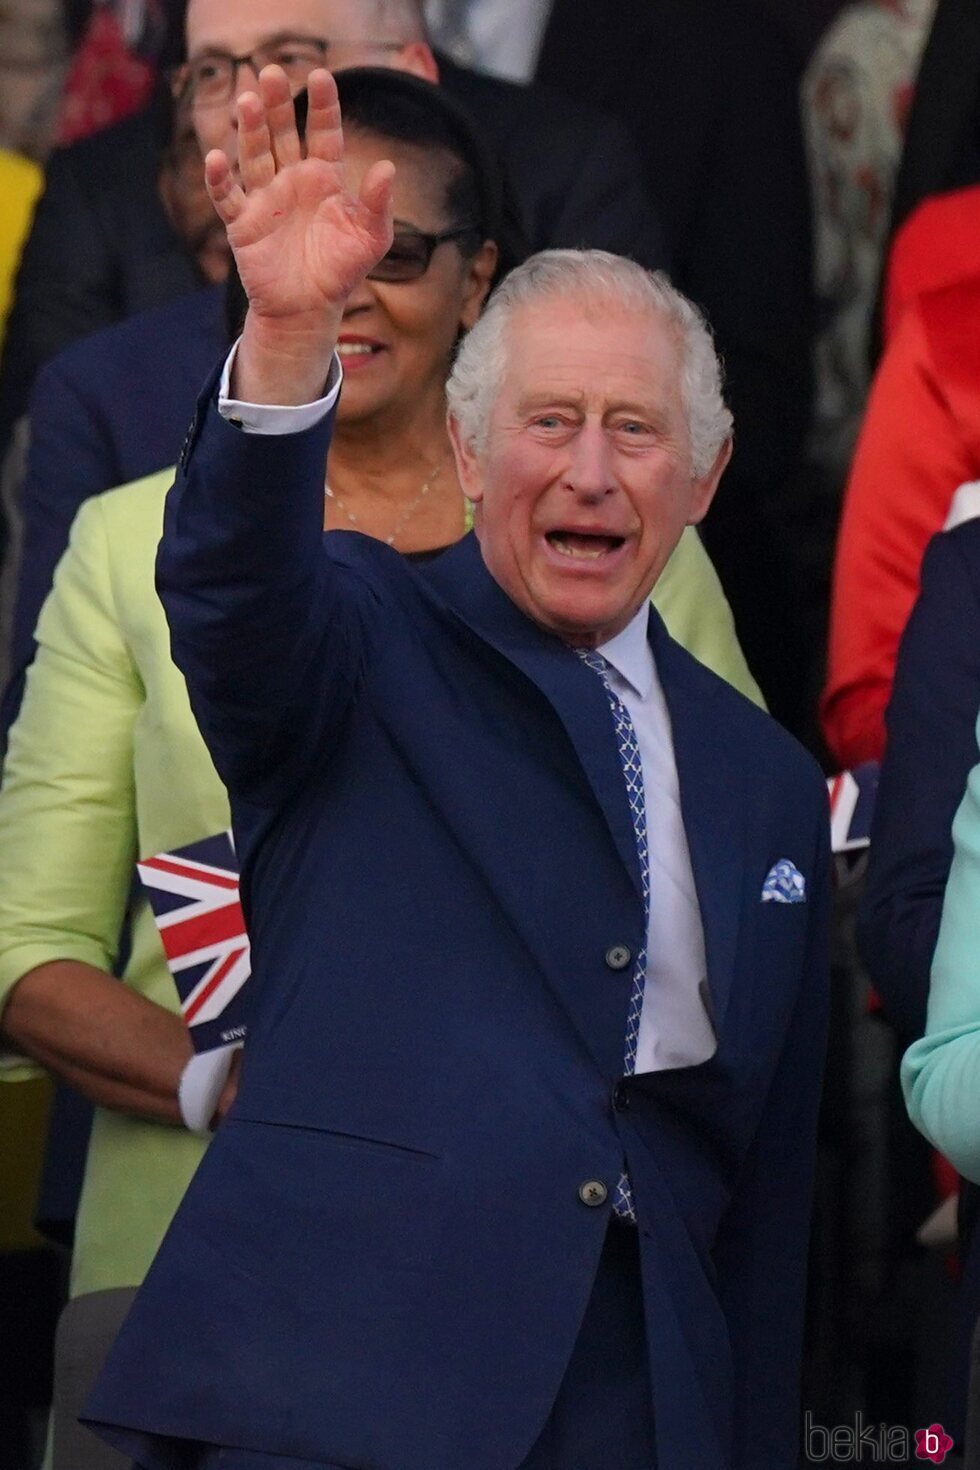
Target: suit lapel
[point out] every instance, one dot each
(711, 788)
(574, 691)
(712, 805)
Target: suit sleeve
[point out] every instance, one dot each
(67, 808)
(270, 630)
(941, 1072)
(910, 460)
(931, 747)
(760, 1255)
(70, 457)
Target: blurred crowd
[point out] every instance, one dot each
(809, 173)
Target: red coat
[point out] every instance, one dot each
(919, 442)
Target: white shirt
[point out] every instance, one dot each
(501, 36)
(675, 1026)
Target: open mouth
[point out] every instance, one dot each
(581, 545)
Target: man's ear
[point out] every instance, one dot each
(705, 487)
(416, 57)
(468, 467)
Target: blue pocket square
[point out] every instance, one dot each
(785, 884)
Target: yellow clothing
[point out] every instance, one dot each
(20, 185)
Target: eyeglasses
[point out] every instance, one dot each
(209, 80)
(411, 253)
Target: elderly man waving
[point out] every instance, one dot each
(519, 1170)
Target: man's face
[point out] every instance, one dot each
(240, 27)
(586, 482)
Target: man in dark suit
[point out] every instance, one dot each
(519, 1170)
(709, 93)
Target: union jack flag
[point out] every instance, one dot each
(193, 892)
(852, 801)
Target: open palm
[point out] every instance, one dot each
(301, 240)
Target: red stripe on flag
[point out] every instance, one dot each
(212, 985)
(164, 865)
(217, 926)
(835, 789)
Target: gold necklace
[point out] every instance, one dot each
(406, 514)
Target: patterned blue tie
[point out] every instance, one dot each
(629, 759)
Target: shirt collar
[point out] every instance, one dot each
(630, 654)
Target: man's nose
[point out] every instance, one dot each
(590, 471)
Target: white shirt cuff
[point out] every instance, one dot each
(274, 418)
(200, 1087)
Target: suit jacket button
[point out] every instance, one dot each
(618, 957)
(621, 1097)
(593, 1193)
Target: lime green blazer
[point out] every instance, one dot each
(105, 766)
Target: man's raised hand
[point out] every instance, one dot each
(301, 240)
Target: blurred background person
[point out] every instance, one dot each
(857, 92)
(34, 53)
(919, 445)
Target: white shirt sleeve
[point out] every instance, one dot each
(274, 418)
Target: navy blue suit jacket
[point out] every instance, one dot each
(384, 1258)
(931, 749)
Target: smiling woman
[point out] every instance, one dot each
(391, 473)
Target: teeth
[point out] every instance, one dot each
(588, 552)
(354, 349)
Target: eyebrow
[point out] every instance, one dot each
(652, 411)
(549, 400)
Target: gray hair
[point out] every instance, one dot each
(481, 362)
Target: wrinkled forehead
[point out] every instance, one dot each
(241, 25)
(594, 349)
